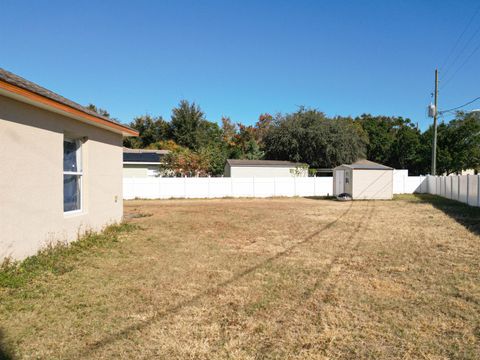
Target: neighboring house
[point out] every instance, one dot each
(142, 162)
(363, 180)
(264, 168)
(60, 168)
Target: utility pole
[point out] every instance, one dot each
(434, 145)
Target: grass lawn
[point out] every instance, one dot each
(256, 279)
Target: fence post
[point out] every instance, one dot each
(253, 185)
(208, 187)
(159, 187)
(478, 190)
(468, 188)
(185, 187)
(458, 187)
(451, 187)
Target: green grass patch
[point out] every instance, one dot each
(59, 258)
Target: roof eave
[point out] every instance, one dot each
(29, 97)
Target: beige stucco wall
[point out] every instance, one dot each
(31, 178)
(372, 184)
(260, 171)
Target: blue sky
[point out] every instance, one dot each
(243, 58)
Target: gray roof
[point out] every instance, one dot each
(145, 151)
(16, 80)
(366, 165)
(265, 163)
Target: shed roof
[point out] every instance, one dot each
(366, 165)
(263, 163)
(18, 86)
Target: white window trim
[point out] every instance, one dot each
(78, 173)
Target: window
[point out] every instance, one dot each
(72, 175)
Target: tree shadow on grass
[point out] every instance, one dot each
(468, 216)
(214, 289)
(6, 352)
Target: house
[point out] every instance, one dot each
(60, 168)
(264, 168)
(363, 180)
(142, 162)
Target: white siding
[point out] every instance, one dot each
(262, 171)
(139, 170)
(372, 184)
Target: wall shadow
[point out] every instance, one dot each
(320, 197)
(6, 352)
(468, 216)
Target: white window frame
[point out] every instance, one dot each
(78, 173)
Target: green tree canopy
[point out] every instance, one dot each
(150, 129)
(186, 119)
(309, 136)
(458, 144)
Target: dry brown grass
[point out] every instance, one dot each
(262, 279)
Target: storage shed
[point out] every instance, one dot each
(264, 168)
(364, 180)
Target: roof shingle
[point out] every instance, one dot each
(274, 163)
(20, 82)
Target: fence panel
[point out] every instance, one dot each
(164, 188)
(455, 187)
(412, 184)
(463, 188)
(448, 187)
(472, 198)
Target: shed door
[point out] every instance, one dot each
(339, 182)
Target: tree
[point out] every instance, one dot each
(404, 151)
(98, 110)
(208, 134)
(393, 141)
(262, 126)
(229, 130)
(150, 129)
(186, 118)
(381, 135)
(458, 144)
(185, 162)
(245, 143)
(309, 136)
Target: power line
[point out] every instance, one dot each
(457, 42)
(463, 50)
(462, 65)
(459, 107)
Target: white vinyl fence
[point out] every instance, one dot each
(165, 188)
(463, 188)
